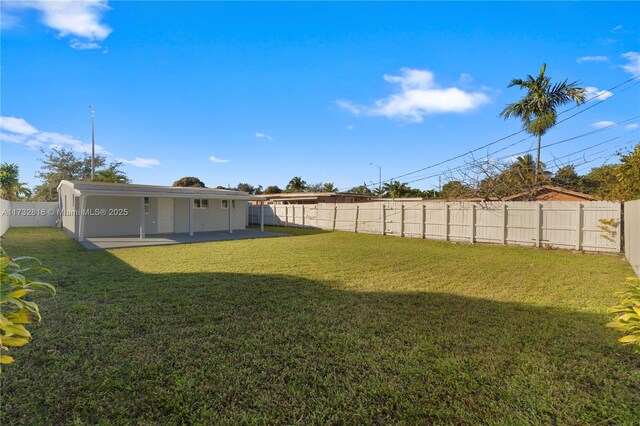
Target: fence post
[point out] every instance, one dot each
(539, 225)
(402, 220)
(355, 223)
(423, 215)
(286, 216)
(275, 214)
(303, 216)
(384, 220)
(505, 223)
(261, 216)
(446, 221)
(579, 226)
(335, 214)
(473, 223)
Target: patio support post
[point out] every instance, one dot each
(229, 208)
(261, 216)
(83, 204)
(142, 224)
(190, 217)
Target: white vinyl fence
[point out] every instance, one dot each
(590, 226)
(15, 214)
(632, 234)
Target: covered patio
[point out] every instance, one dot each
(103, 243)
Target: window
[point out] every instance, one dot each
(147, 207)
(200, 203)
(225, 204)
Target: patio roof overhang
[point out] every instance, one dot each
(133, 190)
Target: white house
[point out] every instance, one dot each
(95, 209)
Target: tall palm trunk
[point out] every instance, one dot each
(538, 162)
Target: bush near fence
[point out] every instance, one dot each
(589, 226)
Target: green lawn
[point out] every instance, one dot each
(322, 328)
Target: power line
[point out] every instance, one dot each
(602, 93)
(592, 132)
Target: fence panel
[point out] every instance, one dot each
(632, 234)
(15, 214)
(592, 226)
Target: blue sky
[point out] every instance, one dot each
(260, 92)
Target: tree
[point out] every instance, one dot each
(273, 189)
(628, 175)
(296, 184)
(112, 174)
(59, 164)
(189, 181)
(537, 109)
(456, 189)
(600, 181)
(567, 177)
(10, 186)
(395, 189)
(245, 187)
(314, 187)
(362, 190)
(329, 187)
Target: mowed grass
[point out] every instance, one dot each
(322, 328)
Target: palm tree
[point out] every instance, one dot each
(329, 187)
(21, 190)
(10, 187)
(537, 109)
(111, 175)
(395, 189)
(296, 184)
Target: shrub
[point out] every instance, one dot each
(627, 314)
(14, 309)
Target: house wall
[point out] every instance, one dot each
(68, 217)
(214, 218)
(112, 223)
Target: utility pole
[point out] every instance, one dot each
(379, 177)
(93, 145)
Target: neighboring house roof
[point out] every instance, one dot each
(550, 192)
(135, 190)
(312, 194)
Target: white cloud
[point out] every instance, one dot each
(263, 136)
(350, 127)
(146, 163)
(632, 126)
(83, 45)
(349, 106)
(633, 64)
(217, 160)
(17, 125)
(81, 19)
(419, 95)
(603, 123)
(19, 131)
(592, 59)
(616, 28)
(596, 94)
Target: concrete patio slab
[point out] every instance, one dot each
(101, 243)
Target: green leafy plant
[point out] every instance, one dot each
(609, 229)
(627, 314)
(15, 311)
